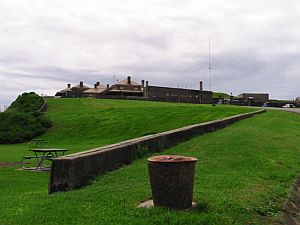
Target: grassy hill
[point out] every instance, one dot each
(81, 124)
(85, 123)
(243, 172)
(221, 95)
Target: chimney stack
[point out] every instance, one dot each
(95, 86)
(128, 80)
(201, 85)
(146, 90)
(98, 83)
(69, 85)
(107, 86)
(143, 83)
(81, 83)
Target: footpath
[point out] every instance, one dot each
(294, 110)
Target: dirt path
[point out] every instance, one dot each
(8, 164)
(295, 110)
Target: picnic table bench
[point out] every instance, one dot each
(41, 156)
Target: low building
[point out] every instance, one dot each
(253, 99)
(168, 94)
(95, 92)
(127, 88)
(73, 92)
(79, 89)
(67, 92)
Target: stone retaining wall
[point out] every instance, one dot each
(76, 170)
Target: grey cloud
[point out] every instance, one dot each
(254, 47)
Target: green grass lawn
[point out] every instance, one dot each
(243, 172)
(81, 124)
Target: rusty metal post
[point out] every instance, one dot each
(172, 180)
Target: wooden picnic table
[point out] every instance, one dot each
(42, 154)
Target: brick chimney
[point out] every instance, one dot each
(201, 85)
(69, 85)
(107, 86)
(128, 80)
(98, 83)
(95, 86)
(143, 83)
(81, 84)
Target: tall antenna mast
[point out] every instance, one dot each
(114, 78)
(209, 66)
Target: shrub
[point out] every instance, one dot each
(27, 103)
(22, 121)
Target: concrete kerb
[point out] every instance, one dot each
(76, 170)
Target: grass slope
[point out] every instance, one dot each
(243, 176)
(81, 124)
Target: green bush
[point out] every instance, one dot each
(27, 103)
(22, 121)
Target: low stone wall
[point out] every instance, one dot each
(44, 107)
(76, 170)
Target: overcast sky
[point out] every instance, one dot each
(255, 45)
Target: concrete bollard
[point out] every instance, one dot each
(172, 180)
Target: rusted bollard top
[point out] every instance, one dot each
(171, 159)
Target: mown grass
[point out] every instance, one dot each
(81, 124)
(243, 176)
